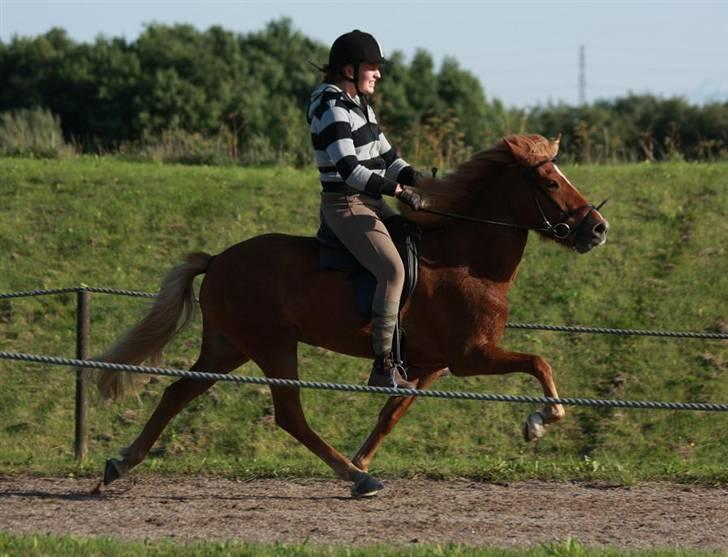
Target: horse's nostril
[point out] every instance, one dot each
(600, 229)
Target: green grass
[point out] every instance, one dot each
(44, 545)
(105, 222)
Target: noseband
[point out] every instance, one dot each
(560, 230)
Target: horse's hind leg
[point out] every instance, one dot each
(393, 411)
(282, 363)
(217, 355)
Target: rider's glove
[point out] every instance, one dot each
(410, 198)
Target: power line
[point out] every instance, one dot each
(660, 69)
(582, 76)
(571, 67)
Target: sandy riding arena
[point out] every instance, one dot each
(515, 514)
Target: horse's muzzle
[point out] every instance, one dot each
(592, 233)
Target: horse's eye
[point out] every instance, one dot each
(552, 184)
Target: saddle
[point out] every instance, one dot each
(333, 255)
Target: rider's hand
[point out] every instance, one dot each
(410, 198)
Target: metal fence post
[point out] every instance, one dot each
(83, 324)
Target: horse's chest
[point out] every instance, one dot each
(476, 296)
(486, 311)
(472, 307)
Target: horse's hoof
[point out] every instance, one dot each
(534, 428)
(365, 485)
(112, 471)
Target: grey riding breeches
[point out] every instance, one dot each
(356, 220)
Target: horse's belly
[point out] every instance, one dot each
(271, 284)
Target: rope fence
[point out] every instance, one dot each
(72, 289)
(526, 326)
(364, 389)
(83, 320)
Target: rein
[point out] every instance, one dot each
(560, 230)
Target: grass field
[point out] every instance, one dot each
(41, 545)
(107, 223)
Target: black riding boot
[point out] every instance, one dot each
(385, 373)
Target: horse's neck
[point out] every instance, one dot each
(486, 251)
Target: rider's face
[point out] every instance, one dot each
(368, 77)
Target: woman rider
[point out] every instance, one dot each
(357, 167)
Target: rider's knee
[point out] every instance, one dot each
(394, 272)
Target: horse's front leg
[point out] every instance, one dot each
(393, 411)
(485, 359)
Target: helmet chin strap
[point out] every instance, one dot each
(362, 97)
(355, 79)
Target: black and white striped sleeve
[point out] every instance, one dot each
(337, 140)
(397, 168)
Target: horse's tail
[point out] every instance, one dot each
(146, 340)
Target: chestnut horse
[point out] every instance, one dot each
(263, 296)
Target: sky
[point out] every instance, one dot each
(525, 53)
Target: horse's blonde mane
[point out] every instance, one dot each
(455, 191)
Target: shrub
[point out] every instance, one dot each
(180, 146)
(33, 132)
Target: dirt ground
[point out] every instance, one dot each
(515, 514)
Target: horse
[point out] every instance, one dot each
(261, 297)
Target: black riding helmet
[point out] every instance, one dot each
(355, 47)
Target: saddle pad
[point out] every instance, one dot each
(334, 256)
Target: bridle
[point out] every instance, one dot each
(561, 230)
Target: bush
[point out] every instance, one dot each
(180, 146)
(33, 132)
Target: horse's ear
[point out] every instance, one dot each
(554, 144)
(517, 150)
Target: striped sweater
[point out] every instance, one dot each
(349, 146)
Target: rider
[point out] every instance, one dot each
(357, 165)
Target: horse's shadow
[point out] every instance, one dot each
(96, 494)
(37, 494)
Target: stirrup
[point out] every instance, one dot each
(398, 367)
